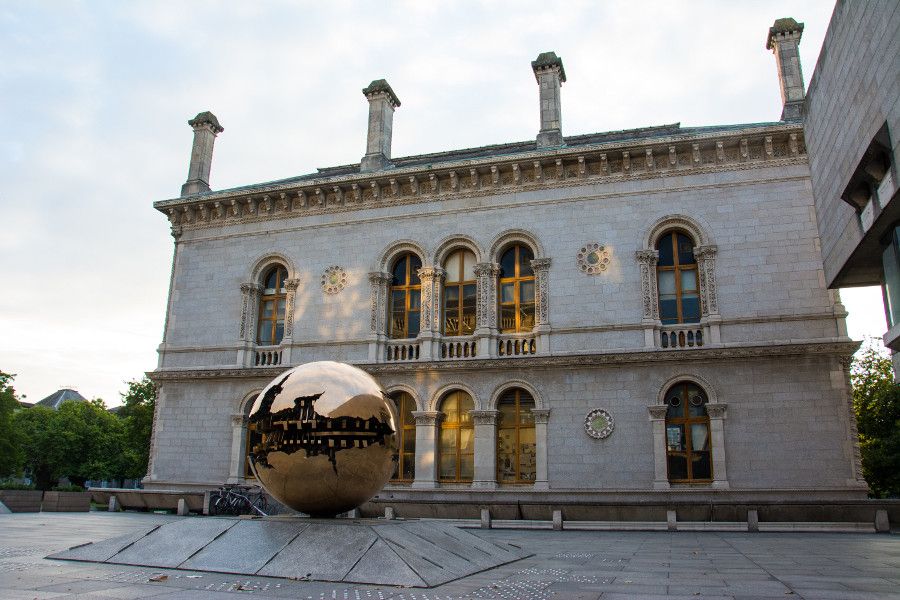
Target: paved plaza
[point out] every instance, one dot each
(566, 565)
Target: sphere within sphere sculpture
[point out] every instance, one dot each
(327, 438)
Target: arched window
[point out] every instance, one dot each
(516, 290)
(676, 271)
(457, 449)
(251, 439)
(516, 449)
(406, 297)
(459, 293)
(688, 452)
(272, 307)
(406, 434)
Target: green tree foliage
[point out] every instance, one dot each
(38, 442)
(11, 458)
(876, 401)
(138, 404)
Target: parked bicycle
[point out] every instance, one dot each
(238, 500)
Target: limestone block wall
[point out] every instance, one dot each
(854, 90)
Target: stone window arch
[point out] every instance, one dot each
(516, 439)
(267, 313)
(514, 291)
(380, 280)
(540, 415)
(459, 293)
(405, 297)
(678, 282)
(688, 434)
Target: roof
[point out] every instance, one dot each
(503, 151)
(59, 396)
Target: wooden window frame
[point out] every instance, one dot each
(404, 429)
(686, 421)
(447, 424)
(518, 427)
(460, 285)
(516, 280)
(678, 268)
(406, 288)
(272, 322)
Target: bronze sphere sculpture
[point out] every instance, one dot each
(326, 438)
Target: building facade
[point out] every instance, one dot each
(597, 318)
(852, 120)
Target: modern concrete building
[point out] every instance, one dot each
(852, 123)
(603, 319)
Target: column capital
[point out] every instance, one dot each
(658, 412)
(248, 288)
(238, 419)
(489, 269)
(427, 418)
(541, 415)
(540, 264)
(431, 273)
(484, 417)
(380, 277)
(707, 251)
(716, 410)
(292, 284)
(648, 257)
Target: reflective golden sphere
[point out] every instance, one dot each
(327, 438)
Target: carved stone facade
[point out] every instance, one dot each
(594, 341)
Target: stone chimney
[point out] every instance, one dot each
(784, 42)
(550, 74)
(382, 102)
(206, 128)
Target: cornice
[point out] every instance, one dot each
(637, 357)
(694, 153)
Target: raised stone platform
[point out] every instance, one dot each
(415, 553)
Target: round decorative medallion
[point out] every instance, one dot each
(334, 279)
(593, 259)
(598, 424)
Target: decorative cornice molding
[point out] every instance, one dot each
(757, 147)
(638, 357)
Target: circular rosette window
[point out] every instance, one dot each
(598, 424)
(593, 259)
(333, 280)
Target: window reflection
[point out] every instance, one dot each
(405, 297)
(405, 465)
(516, 448)
(688, 453)
(272, 305)
(457, 439)
(676, 272)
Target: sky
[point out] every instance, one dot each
(95, 98)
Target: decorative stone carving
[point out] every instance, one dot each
(658, 412)
(334, 279)
(599, 424)
(486, 309)
(484, 417)
(238, 420)
(716, 410)
(431, 278)
(249, 294)
(541, 415)
(378, 282)
(706, 271)
(427, 418)
(593, 258)
(291, 285)
(647, 260)
(541, 268)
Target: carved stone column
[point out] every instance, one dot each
(541, 267)
(716, 412)
(709, 303)
(658, 425)
(249, 309)
(485, 448)
(378, 315)
(290, 302)
(427, 423)
(647, 260)
(486, 308)
(238, 449)
(541, 419)
(432, 279)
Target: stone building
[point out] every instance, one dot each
(852, 120)
(608, 318)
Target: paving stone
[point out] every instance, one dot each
(246, 547)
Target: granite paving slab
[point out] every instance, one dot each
(173, 543)
(324, 552)
(246, 547)
(105, 549)
(381, 565)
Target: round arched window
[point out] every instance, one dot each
(272, 307)
(676, 272)
(516, 290)
(516, 450)
(459, 293)
(457, 447)
(406, 443)
(688, 453)
(405, 297)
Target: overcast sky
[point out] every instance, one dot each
(94, 99)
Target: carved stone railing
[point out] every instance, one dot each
(517, 344)
(267, 356)
(401, 351)
(453, 348)
(675, 337)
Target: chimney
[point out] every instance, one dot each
(784, 42)
(206, 127)
(550, 74)
(382, 102)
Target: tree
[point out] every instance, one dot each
(138, 404)
(90, 438)
(11, 458)
(38, 442)
(876, 401)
